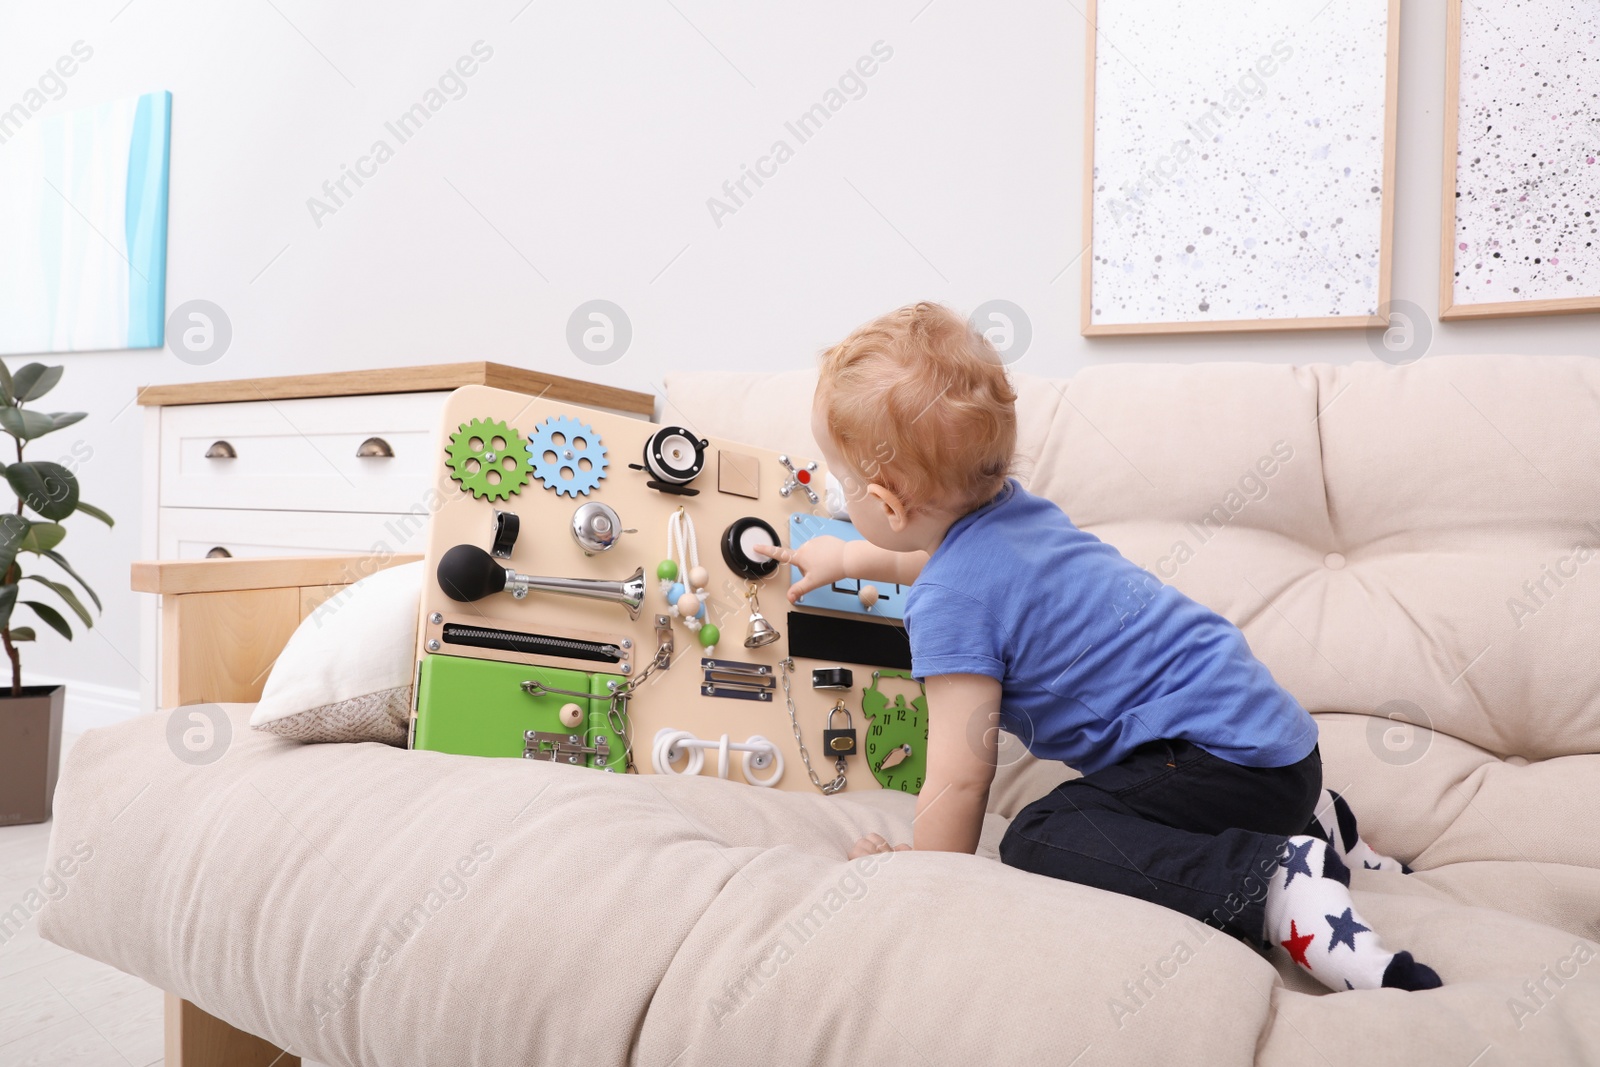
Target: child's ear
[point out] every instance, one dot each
(894, 508)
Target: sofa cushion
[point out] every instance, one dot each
(363, 905)
(345, 673)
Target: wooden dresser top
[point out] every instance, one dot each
(434, 377)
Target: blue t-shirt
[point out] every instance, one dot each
(1094, 655)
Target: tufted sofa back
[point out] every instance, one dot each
(1413, 551)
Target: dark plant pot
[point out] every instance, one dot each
(30, 752)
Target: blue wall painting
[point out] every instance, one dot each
(83, 228)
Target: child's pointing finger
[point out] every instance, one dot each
(777, 552)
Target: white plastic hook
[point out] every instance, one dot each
(759, 754)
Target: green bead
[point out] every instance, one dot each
(667, 571)
(709, 634)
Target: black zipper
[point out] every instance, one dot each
(536, 644)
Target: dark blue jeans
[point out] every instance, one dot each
(1174, 825)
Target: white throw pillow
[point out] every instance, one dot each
(346, 673)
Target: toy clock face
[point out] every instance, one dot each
(897, 739)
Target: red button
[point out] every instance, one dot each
(803, 477)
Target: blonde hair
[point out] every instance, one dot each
(919, 402)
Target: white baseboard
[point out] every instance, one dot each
(90, 704)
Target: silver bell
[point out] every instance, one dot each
(761, 631)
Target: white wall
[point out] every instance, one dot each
(582, 156)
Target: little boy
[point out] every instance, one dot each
(1201, 776)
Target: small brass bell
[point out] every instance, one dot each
(761, 631)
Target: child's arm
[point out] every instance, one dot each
(825, 560)
(963, 738)
(865, 560)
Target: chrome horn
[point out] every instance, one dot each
(467, 573)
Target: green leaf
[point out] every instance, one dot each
(67, 418)
(25, 425)
(52, 618)
(65, 593)
(61, 561)
(90, 509)
(6, 392)
(35, 380)
(42, 536)
(22, 633)
(47, 488)
(13, 534)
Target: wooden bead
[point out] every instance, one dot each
(688, 605)
(571, 716)
(698, 577)
(868, 596)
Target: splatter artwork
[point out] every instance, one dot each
(1527, 205)
(1238, 160)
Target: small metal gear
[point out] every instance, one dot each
(473, 458)
(558, 464)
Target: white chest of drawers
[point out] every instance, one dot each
(307, 465)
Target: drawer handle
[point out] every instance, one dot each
(374, 448)
(221, 450)
(219, 553)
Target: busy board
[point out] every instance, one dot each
(594, 598)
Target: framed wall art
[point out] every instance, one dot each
(83, 227)
(1239, 165)
(1522, 160)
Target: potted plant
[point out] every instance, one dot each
(46, 493)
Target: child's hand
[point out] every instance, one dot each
(874, 843)
(821, 562)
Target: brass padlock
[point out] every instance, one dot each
(840, 742)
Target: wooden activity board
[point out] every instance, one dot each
(549, 589)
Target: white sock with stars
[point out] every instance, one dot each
(1335, 823)
(1309, 912)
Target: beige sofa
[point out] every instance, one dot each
(1415, 552)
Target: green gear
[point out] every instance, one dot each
(472, 466)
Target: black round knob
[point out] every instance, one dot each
(738, 540)
(675, 455)
(467, 573)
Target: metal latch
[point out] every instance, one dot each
(740, 681)
(663, 643)
(564, 748)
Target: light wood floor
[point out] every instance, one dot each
(57, 1008)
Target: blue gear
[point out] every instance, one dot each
(580, 482)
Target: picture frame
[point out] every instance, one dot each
(83, 211)
(1485, 240)
(1363, 286)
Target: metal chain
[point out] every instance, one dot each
(805, 757)
(617, 716)
(617, 713)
